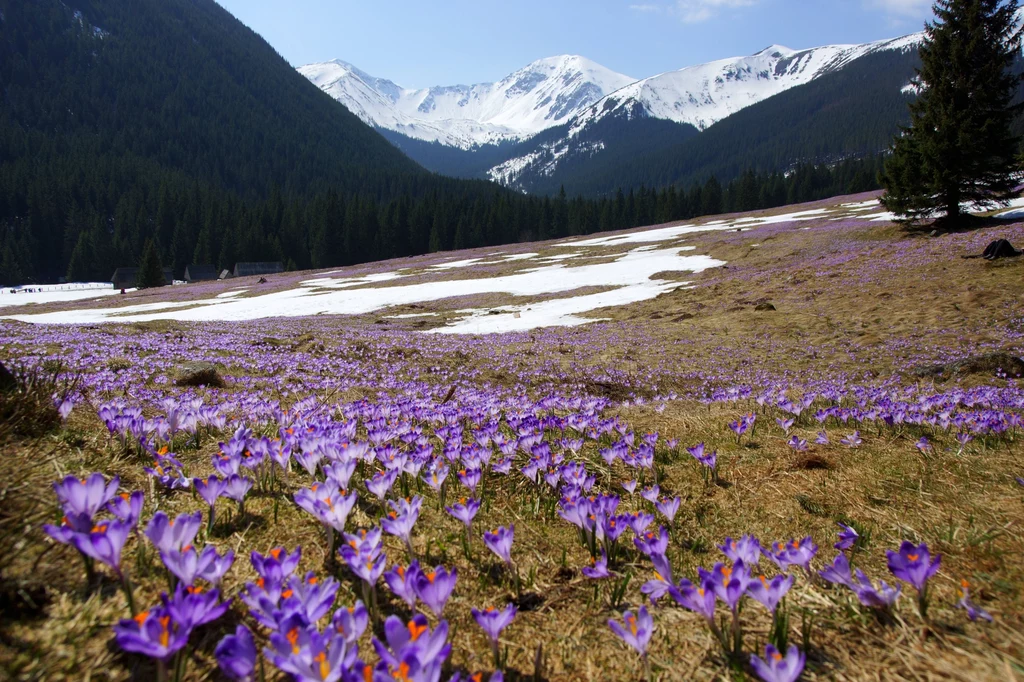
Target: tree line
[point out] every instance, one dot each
(46, 233)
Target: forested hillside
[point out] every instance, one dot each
(169, 119)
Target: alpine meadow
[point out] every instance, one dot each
(714, 371)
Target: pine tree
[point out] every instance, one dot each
(959, 146)
(151, 272)
(81, 267)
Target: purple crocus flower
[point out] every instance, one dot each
(739, 427)
(236, 487)
(747, 549)
(435, 587)
(402, 582)
(822, 438)
(778, 668)
(363, 555)
(653, 544)
(847, 537)
(974, 612)
(651, 493)
(412, 642)
(638, 522)
(210, 489)
(277, 565)
(64, 408)
(193, 607)
(381, 483)
(401, 519)
(500, 542)
(728, 584)
(598, 568)
(793, 553)
(128, 508)
(173, 534)
(699, 453)
(154, 633)
(669, 507)
(882, 597)
(770, 593)
(785, 424)
(83, 498)
(798, 444)
(853, 440)
(913, 564)
(494, 621)
(470, 478)
(465, 510)
(104, 543)
(839, 572)
(630, 486)
(236, 655)
(1020, 481)
(188, 564)
(351, 622)
(635, 630)
(329, 504)
(217, 566)
(310, 596)
(661, 584)
(699, 599)
(301, 650)
(435, 478)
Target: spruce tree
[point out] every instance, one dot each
(959, 146)
(151, 271)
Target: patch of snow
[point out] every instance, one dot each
(631, 275)
(55, 293)
(1012, 214)
(455, 264)
(408, 316)
(346, 282)
(666, 233)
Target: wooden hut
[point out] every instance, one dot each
(252, 269)
(128, 278)
(200, 273)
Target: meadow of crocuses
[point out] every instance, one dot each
(626, 500)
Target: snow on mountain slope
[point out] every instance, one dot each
(705, 94)
(547, 93)
(698, 95)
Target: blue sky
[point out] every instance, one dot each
(446, 42)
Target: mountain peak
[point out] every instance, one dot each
(781, 50)
(542, 94)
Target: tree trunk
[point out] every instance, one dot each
(953, 206)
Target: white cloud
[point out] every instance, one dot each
(910, 9)
(692, 11)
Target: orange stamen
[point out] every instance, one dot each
(416, 630)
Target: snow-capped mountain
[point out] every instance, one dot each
(699, 95)
(705, 94)
(545, 94)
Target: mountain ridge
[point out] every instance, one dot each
(554, 91)
(544, 93)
